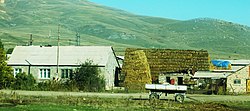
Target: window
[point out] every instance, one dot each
(17, 70)
(168, 79)
(237, 81)
(66, 73)
(44, 73)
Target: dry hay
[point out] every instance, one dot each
(166, 60)
(137, 72)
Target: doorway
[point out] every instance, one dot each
(248, 85)
(117, 72)
(180, 80)
(168, 80)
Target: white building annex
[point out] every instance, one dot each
(237, 79)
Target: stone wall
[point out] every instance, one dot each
(237, 82)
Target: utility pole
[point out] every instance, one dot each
(57, 58)
(49, 37)
(69, 42)
(31, 40)
(77, 39)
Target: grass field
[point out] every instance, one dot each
(79, 104)
(19, 102)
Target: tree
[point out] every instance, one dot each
(10, 50)
(1, 45)
(88, 77)
(6, 76)
(24, 82)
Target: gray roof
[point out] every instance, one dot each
(68, 55)
(239, 62)
(208, 74)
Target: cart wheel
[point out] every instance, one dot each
(153, 96)
(179, 98)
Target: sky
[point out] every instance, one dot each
(237, 11)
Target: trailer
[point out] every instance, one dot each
(156, 90)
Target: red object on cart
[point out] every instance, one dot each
(172, 81)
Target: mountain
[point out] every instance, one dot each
(100, 25)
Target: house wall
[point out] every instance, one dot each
(34, 70)
(110, 71)
(243, 76)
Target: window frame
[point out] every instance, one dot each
(44, 73)
(16, 72)
(237, 81)
(66, 73)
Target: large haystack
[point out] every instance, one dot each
(168, 60)
(137, 72)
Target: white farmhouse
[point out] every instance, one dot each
(44, 61)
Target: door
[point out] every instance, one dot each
(117, 72)
(180, 80)
(248, 85)
(168, 80)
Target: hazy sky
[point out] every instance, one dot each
(237, 11)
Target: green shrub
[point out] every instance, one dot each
(221, 91)
(70, 85)
(24, 82)
(87, 77)
(52, 85)
(6, 73)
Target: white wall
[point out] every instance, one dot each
(110, 71)
(107, 72)
(242, 75)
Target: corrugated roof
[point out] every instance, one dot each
(68, 55)
(239, 62)
(208, 74)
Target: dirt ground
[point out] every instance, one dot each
(189, 97)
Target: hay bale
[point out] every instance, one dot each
(136, 70)
(139, 62)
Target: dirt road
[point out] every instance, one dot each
(189, 97)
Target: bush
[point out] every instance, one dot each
(52, 85)
(221, 91)
(87, 77)
(24, 82)
(6, 73)
(70, 85)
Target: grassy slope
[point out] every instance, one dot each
(99, 25)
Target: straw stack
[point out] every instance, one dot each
(136, 70)
(162, 61)
(170, 60)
